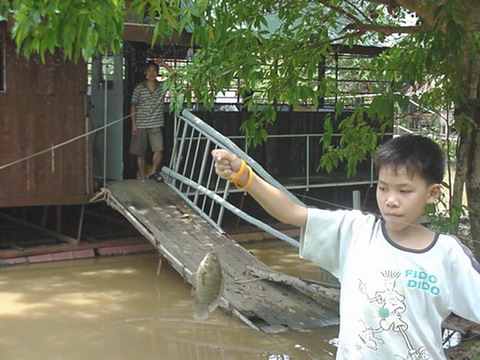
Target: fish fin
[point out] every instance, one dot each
(214, 304)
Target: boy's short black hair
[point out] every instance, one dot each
(152, 63)
(418, 154)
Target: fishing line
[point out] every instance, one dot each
(376, 215)
(322, 201)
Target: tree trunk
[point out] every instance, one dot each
(468, 172)
(472, 185)
(466, 81)
(460, 177)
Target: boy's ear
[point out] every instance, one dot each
(434, 192)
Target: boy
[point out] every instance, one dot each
(399, 279)
(147, 119)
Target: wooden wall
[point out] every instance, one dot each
(43, 105)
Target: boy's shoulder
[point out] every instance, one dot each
(455, 249)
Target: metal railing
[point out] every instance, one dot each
(191, 172)
(192, 176)
(306, 182)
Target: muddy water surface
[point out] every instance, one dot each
(119, 308)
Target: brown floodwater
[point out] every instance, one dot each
(120, 308)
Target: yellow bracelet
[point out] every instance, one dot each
(249, 181)
(239, 172)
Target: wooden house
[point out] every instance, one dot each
(42, 105)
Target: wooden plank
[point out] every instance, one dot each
(183, 237)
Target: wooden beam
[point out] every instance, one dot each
(39, 228)
(43, 201)
(56, 248)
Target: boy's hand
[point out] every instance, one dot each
(226, 163)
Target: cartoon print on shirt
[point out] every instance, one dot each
(392, 306)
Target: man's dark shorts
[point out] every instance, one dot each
(138, 145)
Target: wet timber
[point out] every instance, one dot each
(183, 238)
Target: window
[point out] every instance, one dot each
(2, 63)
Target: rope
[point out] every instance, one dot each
(102, 195)
(53, 147)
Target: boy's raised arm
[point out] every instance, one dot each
(274, 201)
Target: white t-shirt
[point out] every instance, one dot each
(393, 299)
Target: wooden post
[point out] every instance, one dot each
(80, 223)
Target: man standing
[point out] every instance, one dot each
(146, 111)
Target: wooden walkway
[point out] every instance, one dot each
(183, 238)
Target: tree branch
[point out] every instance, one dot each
(385, 29)
(392, 3)
(340, 10)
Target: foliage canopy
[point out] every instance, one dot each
(272, 50)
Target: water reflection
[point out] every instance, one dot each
(118, 308)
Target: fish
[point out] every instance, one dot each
(208, 286)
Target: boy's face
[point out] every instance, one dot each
(402, 198)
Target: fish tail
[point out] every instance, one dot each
(200, 313)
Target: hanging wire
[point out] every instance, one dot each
(338, 206)
(105, 113)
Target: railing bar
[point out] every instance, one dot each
(217, 183)
(316, 186)
(195, 156)
(210, 173)
(273, 136)
(188, 139)
(229, 207)
(202, 168)
(222, 208)
(175, 158)
(180, 150)
(210, 212)
(187, 158)
(182, 145)
(175, 142)
(217, 186)
(197, 148)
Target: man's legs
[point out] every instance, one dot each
(141, 166)
(138, 147)
(156, 160)
(156, 141)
